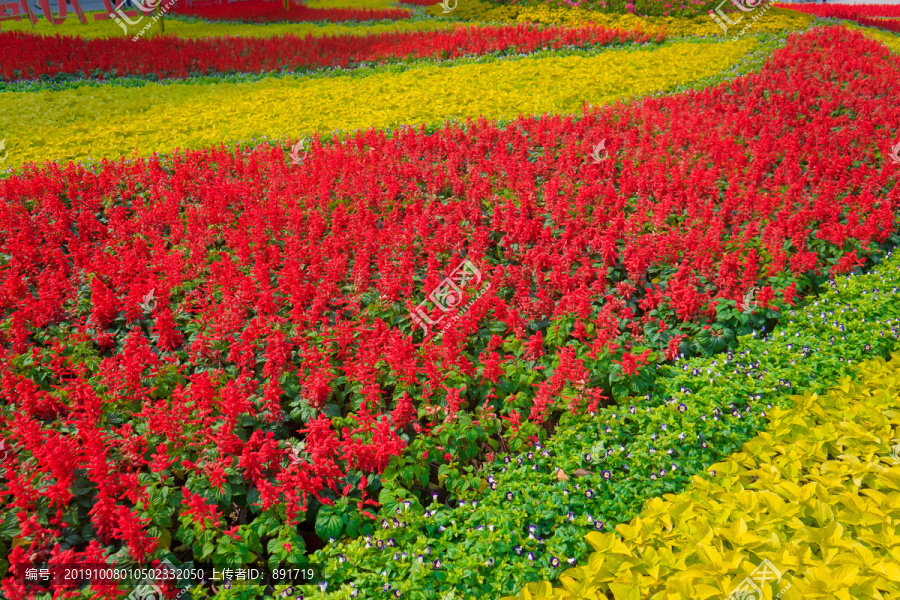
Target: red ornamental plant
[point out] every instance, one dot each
(25, 57)
(277, 367)
(852, 11)
(268, 12)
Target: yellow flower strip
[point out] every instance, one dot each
(776, 19)
(110, 121)
(818, 496)
(108, 28)
(773, 21)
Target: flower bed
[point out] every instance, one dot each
(612, 462)
(112, 121)
(34, 57)
(777, 19)
(204, 352)
(195, 29)
(851, 11)
(888, 24)
(180, 321)
(818, 485)
(273, 12)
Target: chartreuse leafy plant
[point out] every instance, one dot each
(776, 20)
(815, 495)
(524, 518)
(198, 29)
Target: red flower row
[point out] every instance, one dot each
(269, 12)
(847, 11)
(888, 24)
(172, 320)
(24, 56)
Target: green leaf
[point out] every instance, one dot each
(328, 524)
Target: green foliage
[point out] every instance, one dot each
(514, 519)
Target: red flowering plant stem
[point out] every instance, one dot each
(226, 322)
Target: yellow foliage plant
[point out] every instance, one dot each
(809, 509)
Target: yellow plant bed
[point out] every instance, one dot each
(473, 10)
(108, 28)
(775, 19)
(111, 121)
(818, 496)
(579, 16)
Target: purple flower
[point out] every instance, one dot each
(682, 407)
(607, 474)
(588, 494)
(554, 562)
(380, 544)
(437, 564)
